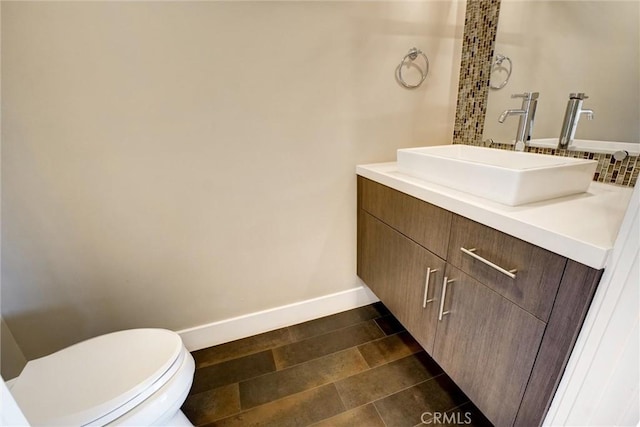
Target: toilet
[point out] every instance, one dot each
(137, 377)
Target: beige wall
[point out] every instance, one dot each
(176, 163)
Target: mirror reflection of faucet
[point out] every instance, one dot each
(526, 113)
(571, 116)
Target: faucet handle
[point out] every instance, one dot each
(527, 95)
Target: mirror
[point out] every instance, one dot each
(560, 47)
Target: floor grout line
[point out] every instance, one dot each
(242, 411)
(379, 414)
(344, 404)
(379, 327)
(312, 360)
(337, 351)
(406, 388)
(235, 358)
(379, 316)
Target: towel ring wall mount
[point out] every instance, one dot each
(498, 65)
(412, 56)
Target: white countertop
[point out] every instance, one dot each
(582, 227)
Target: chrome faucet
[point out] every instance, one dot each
(571, 117)
(526, 113)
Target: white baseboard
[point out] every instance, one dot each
(223, 331)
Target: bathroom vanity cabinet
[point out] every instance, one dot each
(503, 336)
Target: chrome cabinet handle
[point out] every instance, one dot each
(471, 253)
(444, 294)
(426, 287)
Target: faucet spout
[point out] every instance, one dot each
(507, 113)
(526, 113)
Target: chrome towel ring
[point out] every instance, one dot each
(497, 65)
(412, 56)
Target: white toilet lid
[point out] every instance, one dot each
(86, 381)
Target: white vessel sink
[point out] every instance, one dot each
(508, 177)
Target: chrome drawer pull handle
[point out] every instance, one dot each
(426, 287)
(444, 294)
(471, 253)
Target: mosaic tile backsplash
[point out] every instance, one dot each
(610, 171)
(480, 27)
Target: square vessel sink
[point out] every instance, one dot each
(509, 177)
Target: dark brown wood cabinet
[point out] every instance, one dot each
(503, 338)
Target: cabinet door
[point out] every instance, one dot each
(396, 269)
(487, 345)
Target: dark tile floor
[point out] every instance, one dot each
(356, 368)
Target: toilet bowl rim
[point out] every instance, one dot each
(141, 399)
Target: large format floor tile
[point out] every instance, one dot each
(300, 409)
(416, 404)
(232, 371)
(366, 415)
(388, 349)
(387, 379)
(321, 345)
(304, 376)
(244, 347)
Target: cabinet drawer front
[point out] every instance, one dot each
(422, 222)
(397, 269)
(538, 271)
(487, 345)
